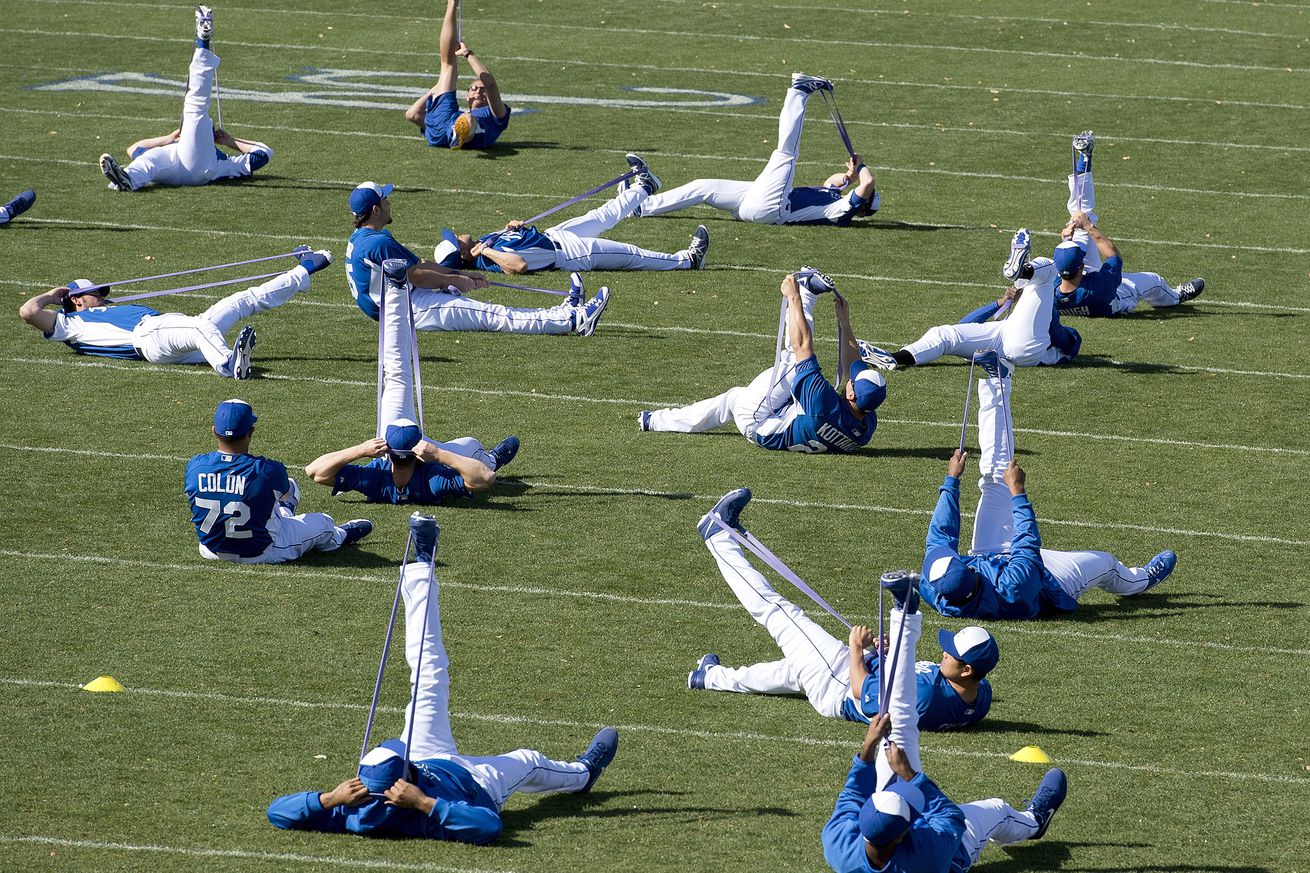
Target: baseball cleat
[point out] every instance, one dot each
(1083, 145)
(504, 451)
(239, 361)
(1021, 247)
(315, 261)
(876, 357)
(696, 678)
(591, 312)
(1190, 290)
(727, 510)
(356, 529)
(644, 177)
(813, 281)
(426, 534)
(1159, 568)
(204, 23)
(600, 753)
(699, 248)
(903, 585)
(808, 84)
(643, 419)
(577, 290)
(17, 206)
(396, 270)
(116, 175)
(993, 364)
(1047, 799)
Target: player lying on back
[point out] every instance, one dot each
(90, 324)
(839, 680)
(188, 155)
(573, 245)
(772, 198)
(437, 112)
(790, 406)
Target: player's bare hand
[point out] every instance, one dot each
(1010, 296)
(955, 466)
(405, 794)
(477, 249)
(222, 137)
(840, 305)
(1015, 478)
(898, 762)
(789, 286)
(475, 281)
(374, 448)
(861, 637)
(1080, 221)
(879, 726)
(513, 225)
(463, 51)
(352, 792)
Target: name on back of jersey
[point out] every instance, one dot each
(221, 483)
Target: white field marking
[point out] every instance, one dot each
(198, 852)
(732, 736)
(1259, 3)
(178, 370)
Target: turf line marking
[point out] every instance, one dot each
(737, 736)
(251, 854)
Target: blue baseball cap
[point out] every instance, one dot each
(78, 287)
(973, 645)
(447, 251)
(1068, 258)
(383, 765)
(402, 436)
(952, 578)
(870, 386)
(234, 418)
(367, 195)
(890, 812)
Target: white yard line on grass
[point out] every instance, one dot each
(734, 736)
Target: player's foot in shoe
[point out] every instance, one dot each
(356, 529)
(876, 357)
(577, 290)
(396, 270)
(644, 177)
(17, 206)
(727, 510)
(204, 25)
(643, 419)
(1159, 568)
(810, 279)
(1047, 799)
(992, 364)
(1021, 247)
(426, 533)
(590, 315)
(699, 248)
(696, 678)
(1083, 145)
(807, 84)
(504, 451)
(315, 261)
(903, 585)
(1190, 290)
(239, 362)
(116, 175)
(600, 753)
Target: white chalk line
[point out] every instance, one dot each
(720, 736)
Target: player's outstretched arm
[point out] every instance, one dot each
(477, 476)
(850, 349)
(324, 468)
(245, 146)
(1104, 244)
(426, 274)
(488, 81)
(34, 311)
(798, 329)
(507, 261)
(860, 638)
(142, 145)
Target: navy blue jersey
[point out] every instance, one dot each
(441, 112)
(430, 484)
(1096, 292)
(825, 422)
(365, 252)
(103, 330)
(940, 707)
(528, 242)
(233, 499)
(824, 205)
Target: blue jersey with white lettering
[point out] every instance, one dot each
(1096, 292)
(527, 242)
(365, 252)
(824, 205)
(430, 484)
(825, 422)
(233, 498)
(105, 331)
(940, 706)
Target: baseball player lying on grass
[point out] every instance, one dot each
(407, 467)
(188, 155)
(438, 292)
(771, 198)
(429, 789)
(1006, 573)
(90, 324)
(840, 680)
(791, 406)
(575, 244)
(244, 505)
(437, 112)
(890, 816)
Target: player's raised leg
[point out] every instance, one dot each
(435, 112)
(195, 146)
(428, 715)
(235, 308)
(1082, 196)
(993, 526)
(902, 705)
(766, 201)
(725, 194)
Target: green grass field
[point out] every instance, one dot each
(578, 594)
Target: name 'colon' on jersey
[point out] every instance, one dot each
(233, 498)
(823, 422)
(365, 252)
(105, 331)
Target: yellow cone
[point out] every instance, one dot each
(1031, 755)
(104, 683)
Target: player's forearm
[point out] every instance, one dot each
(507, 261)
(324, 468)
(477, 476)
(246, 146)
(152, 143)
(34, 311)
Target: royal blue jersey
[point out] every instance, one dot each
(1096, 292)
(940, 706)
(365, 252)
(233, 499)
(462, 810)
(824, 205)
(105, 331)
(430, 484)
(441, 112)
(527, 242)
(825, 422)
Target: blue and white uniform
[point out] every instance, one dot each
(243, 507)
(941, 708)
(194, 159)
(469, 791)
(441, 113)
(1064, 339)
(103, 331)
(440, 309)
(432, 483)
(771, 198)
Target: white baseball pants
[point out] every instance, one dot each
(293, 536)
(1082, 198)
(429, 713)
(580, 249)
(996, 821)
(903, 704)
(444, 310)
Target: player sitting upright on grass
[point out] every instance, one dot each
(437, 112)
(188, 156)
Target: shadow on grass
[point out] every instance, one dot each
(510, 149)
(544, 487)
(1053, 855)
(1164, 604)
(1000, 725)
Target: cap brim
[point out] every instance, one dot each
(946, 640)
(387, 189)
